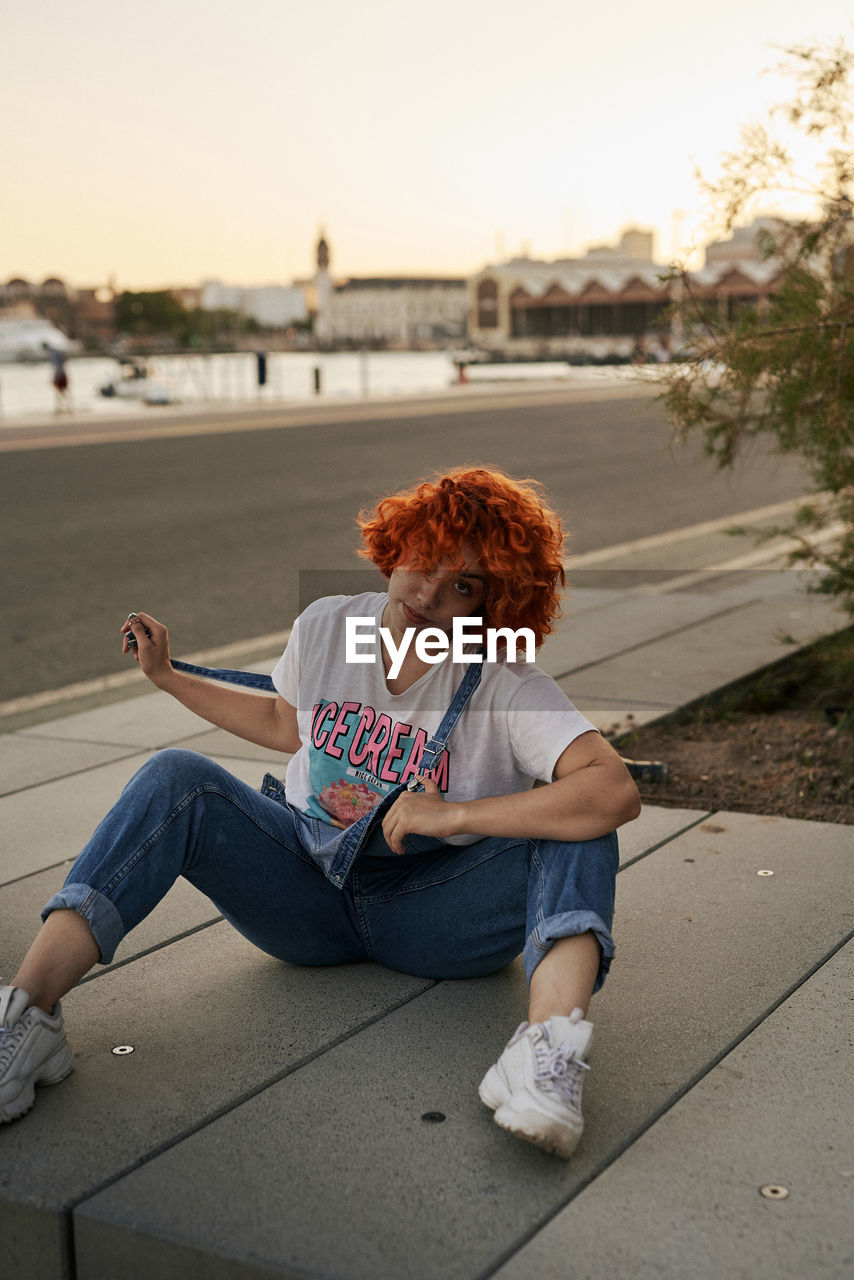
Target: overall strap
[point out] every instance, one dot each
(249, 679)
(432, 753)
(353, 839)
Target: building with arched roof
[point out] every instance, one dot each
(603, 305)
(591, 307)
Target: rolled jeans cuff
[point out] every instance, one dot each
(99, 912)
(569, 924)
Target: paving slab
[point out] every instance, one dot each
(655, 826)
(685, 1200)
(706, 949)
(739, 585)
(145, 717)
(150, 720)
(211, 1020)
(51, 823)
(677, 669)
(625, 624)
(183, 910)
(219, 742)
(27, 761)
(580, 599)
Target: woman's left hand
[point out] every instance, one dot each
(422, 813)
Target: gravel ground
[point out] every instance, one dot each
(780, 744)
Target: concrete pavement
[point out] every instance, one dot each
(273, 1121)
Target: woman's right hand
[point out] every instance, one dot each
(151, 650)
(268, 721)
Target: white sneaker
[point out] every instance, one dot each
(33, 1050)
(535, 1086)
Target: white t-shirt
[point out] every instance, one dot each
(359, 740)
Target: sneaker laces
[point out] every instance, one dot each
(10, 1038)
(559, 1068)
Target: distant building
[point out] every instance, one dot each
(402, 312)
(273, 306)
(84, 315)
(94, 317)
(591, 307)
(608, 302)
(51, 300)
(744, 243)
(738, 273)
(321, 294)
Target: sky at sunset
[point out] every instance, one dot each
(177, 141)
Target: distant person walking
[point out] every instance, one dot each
(60, 377)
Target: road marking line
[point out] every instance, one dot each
(755, 559)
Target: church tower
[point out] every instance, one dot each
(323, 293)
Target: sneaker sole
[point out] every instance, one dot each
(493, 1091)
(534, 1126)
(57, 1067)
(543, 1131)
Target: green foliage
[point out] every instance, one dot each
(786, 371)
(208, 327)
(154, 312)
(159, 314)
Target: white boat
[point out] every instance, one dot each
(134, 382)
(24, 338)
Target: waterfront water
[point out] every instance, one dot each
(26, 390)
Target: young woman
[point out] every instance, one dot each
(409, 831)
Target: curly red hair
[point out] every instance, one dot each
(519, 540)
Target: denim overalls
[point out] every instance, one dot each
(310, 897)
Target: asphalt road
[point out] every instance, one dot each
(211, 533)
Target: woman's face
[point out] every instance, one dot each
(434, 599)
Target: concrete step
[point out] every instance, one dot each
(686, 1199)
(330, 1168)
(211, 1022)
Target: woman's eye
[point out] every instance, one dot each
(464, 588)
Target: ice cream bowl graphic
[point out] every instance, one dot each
(347, 801)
